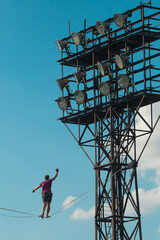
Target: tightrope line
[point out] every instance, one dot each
(30, 215)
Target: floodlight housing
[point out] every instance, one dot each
(63, 103)
(104, 67)
(79, 76)
(61, 44)
(62, 83)
(123, 81)
(120, 19)
(101, 27)
(80, 97)
(104, 88)
(121, 61)
(77, 38)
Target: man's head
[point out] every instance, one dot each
(46, 177)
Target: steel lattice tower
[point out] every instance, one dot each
(107, 123)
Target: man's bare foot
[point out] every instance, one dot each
(48, 216)
(41, 216)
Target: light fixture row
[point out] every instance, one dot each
(121, 62)
(104, 68)
(101, 28)
(81, 96)
(123, 81)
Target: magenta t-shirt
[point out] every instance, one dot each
(46, 186)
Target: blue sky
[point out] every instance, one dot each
(33, 143)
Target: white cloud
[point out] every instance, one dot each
(82, 214)
(69, 202)
(149, 201)
(150, 159)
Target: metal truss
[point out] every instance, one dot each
(114, 138)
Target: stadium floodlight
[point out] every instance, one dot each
(61, 44)
(101, 27)
(62, 83)
(80, 97)
(120, 19)
(104, 88)
(63, 103)
(79, 76)
(104, 68)
(77, 38)
(121, 61)
(123, 81)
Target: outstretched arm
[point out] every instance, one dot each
(57, 170)
(36, 188)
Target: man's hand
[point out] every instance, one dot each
(35, 189)
(57, 170)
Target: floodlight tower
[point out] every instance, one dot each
(115, 77)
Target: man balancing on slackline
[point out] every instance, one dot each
(46, 193)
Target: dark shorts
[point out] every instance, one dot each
(47, 197)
